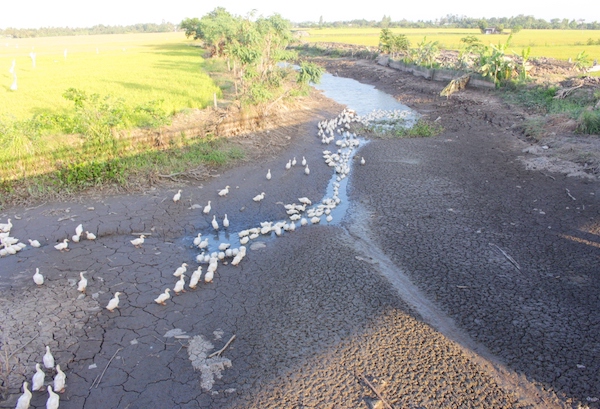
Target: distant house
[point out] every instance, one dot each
(491, 30)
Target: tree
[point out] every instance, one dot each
(391, 43)
(482, 24)
(190, 25)
(214, 29)
(385, 22)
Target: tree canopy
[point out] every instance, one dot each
(254, 46)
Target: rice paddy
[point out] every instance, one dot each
(559, 44)
(137, 68)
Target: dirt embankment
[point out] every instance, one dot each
(557, 147)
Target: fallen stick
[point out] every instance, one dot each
(62, 219)
(385, 402)
(105, 368)
(22, 346)
(220, 351)
(563, 93)
(508, 257)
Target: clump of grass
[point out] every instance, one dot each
(589, 122)
(16, 139)
(541, 101)
(398, 128)
(421, 129)
(533, 128)
(122, 171)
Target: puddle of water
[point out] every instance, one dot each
(362, 98)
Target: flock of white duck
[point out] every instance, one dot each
(301, 213)
(38, 380)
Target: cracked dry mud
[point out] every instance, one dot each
(406, 291)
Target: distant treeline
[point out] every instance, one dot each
(98, 29)
(519, 22)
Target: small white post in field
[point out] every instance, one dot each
(215, 99)
(12, 67)
(32, 55)
(13, 87)
(65, 53)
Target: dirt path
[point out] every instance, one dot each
(318, 309)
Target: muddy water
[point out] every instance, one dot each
(362, 98)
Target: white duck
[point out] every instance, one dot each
(48, 359)
(82, 284)
(63, 245)
(5, 227)
(224, 192)
(203, 244)
(179, 285)
(207, 208)
(114, 302)
(34, 243)
(195, 277)
(215, 224)
(59, 380)
(208, 277)
(305, 200)
(362, 161)
(25, 398)
(198, 240)
(90, 236)
(225, 221)
(177, 196)
(288, 165)
(37, 382)
(75, 238)
(139, 241)
(303, 161)
(258, 198)
(269, 174)
(53, 399)
(79, 230)
(180, 270)
(163, 297)
(38, 278)
(307, 170)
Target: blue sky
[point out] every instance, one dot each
(77, 13)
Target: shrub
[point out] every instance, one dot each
(309, 72)
(589, 122)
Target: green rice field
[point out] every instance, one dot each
(559, 44)
(135, 67)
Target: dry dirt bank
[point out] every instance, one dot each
(558, 149)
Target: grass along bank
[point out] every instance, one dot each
(100, 116)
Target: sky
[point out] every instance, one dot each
(78, 13)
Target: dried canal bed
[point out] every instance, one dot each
(312, 311)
